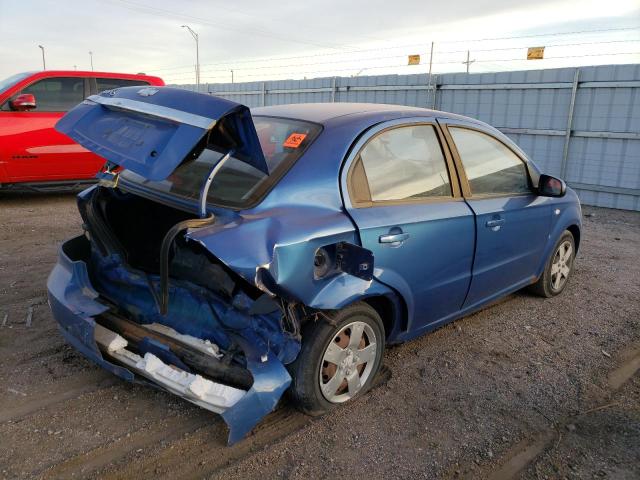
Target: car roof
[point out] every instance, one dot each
(324, 112)
(85, 73)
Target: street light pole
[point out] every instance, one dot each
(195, 37)
(91, 57)
(44, 65)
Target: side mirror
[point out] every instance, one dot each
(23, 102)
(549, 186)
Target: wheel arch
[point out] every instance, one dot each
(392, 311)
(575, 231)
(567, 217)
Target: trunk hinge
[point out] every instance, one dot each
(204, 220)
(207, 184)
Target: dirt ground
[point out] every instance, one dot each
(528, 388)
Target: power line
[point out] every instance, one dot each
(350, 52)
(288, 23)
(542, 35)
(271, 67)
(262, 67)
(546, 46)
(161, 12)
(492, 60)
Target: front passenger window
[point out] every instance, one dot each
(491, 168)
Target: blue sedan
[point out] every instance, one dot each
(230, 256)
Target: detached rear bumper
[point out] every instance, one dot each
(75, 306)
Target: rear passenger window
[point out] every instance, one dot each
(405, 163)
(57, 94)
(490, 166)
(111, 83)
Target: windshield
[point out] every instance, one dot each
(238, 184)
(11, 81)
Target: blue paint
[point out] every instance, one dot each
(154, 145)
(270, 381)
(450, 264)
(267, 347)
(193, 310)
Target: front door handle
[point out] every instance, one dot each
(495, 224)
(395, 239)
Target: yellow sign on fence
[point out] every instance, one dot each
(535, 53)
(414, 60)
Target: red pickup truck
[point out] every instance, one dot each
(32, 153)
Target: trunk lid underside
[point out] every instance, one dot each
(150, 131)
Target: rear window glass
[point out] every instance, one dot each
(237, 184)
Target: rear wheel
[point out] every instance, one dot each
(558, 268)
(338, 360)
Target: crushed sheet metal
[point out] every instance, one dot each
(73, 302)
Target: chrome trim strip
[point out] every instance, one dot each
(155, 111)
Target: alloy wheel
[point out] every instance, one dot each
(347, 362)
(561, 265)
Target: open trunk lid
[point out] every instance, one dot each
(152, 130)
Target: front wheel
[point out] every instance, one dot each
(558, 268)
(338, 360)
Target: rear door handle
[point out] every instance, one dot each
(394, 238)
(496, 222)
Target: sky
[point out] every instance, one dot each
(262, 39)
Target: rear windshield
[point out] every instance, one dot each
(237, 184)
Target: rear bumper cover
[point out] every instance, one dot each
(75, 305)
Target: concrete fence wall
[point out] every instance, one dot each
(582, 124)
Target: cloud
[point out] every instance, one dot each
(141, 35)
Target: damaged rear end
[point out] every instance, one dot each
(142, 298)
(222, 344)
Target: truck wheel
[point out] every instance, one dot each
(338, 359)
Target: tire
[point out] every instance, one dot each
(560, 263)
(314, 377)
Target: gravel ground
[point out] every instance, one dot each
(528, 388)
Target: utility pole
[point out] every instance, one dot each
(44, 65)
(91, 58)
(195, 37)
(231, 75)
(468, 62)
(430, 65)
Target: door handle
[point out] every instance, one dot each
(496, 222)
(394, 239)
